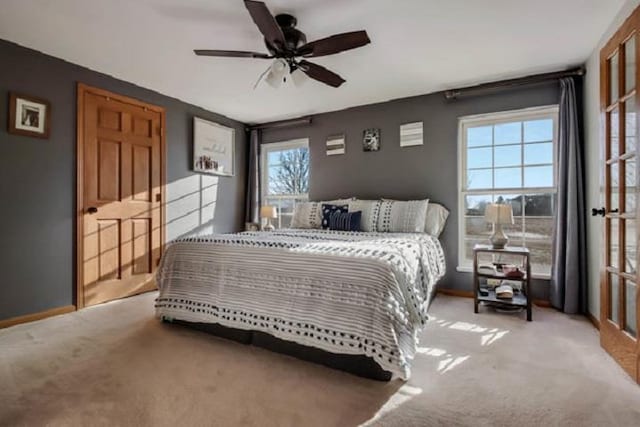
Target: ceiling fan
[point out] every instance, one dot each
(288, 46)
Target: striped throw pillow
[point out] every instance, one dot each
(328, 210)
(345, 221)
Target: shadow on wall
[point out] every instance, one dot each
(191, 206)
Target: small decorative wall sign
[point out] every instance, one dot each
(335, 145)
(29, 116)
(371, 140)
(411, 134)
(213, 148)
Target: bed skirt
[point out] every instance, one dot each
(359, 365)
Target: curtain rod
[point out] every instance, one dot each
(282, 123)
(536, 78)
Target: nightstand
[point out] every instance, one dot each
(520, 299)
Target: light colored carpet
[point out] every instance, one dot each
(117, 365)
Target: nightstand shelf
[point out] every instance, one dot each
(502, 276)
(521, 298)
(518, 299)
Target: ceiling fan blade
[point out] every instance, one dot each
(334, 44)
(320, 73)
(266, 23)
(231, 53)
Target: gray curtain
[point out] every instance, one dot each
(569, 268)
(252, 208)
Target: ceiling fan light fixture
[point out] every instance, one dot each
(278, 73)
(298, 77)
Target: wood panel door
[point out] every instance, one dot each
(120, 193)
(620, 308)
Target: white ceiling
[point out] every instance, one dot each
(418, 46)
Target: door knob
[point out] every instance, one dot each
(602, 211)
(92, 210)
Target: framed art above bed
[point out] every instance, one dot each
(213, 148)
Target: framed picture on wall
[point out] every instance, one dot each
(29, 116)
(213, 148)
(371, 140)
(335, 145)
(411, 134)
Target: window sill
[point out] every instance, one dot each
(464, 269)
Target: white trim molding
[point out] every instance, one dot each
(496, 189)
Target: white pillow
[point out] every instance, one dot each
(306, 215)
(403, 217)
(370, 210)
(436, 218)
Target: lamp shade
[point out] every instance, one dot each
(299, 78)
(498, 214)
(268, 212)
(278, 73)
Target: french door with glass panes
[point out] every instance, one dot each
(619, 279)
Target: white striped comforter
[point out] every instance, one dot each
(343, 292)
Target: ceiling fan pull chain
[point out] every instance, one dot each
(264, 73)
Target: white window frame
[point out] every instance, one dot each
(465, 122)
(265, 149)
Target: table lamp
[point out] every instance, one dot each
(498, 215)
(269, 212)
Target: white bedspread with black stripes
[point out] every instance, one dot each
(342, 292)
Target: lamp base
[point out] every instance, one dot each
(498, 239)
(268, 226)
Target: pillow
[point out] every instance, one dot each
(327, 210)
(403, 217)
(345, 221)
(436, 218)
(306, 215)
(370, 210)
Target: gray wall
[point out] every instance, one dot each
(428, 171)
(38, 178)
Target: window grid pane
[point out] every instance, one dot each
(515, 145)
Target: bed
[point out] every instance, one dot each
(351, 300)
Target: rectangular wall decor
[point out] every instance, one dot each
(411, 134)
(336, 145)
(371, 140)
(29, 116)
(213, 148)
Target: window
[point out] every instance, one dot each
(509, 158)
(285, 177)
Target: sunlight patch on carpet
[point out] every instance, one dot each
(402, 396)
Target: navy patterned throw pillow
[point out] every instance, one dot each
(327, 210)
(345, 221)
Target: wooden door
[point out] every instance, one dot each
(120, 193)
(619, 280)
